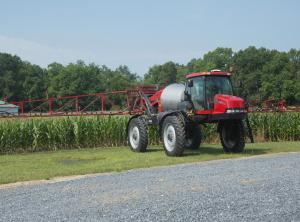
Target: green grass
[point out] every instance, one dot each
(41, 165)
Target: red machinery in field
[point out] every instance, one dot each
(178, 110)
(270, 106)
(132, 109)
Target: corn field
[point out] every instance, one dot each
(42, 134)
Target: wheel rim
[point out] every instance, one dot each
(188, 141)
(227, 136)
(169, 137)
(189, 138)
(134, 136)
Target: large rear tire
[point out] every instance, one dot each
(173, 136)
(193, 138)
(232, 136)
(137, 135)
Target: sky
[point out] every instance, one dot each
(139, 33)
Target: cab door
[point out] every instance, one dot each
(196, 92)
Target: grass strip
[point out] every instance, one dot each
(43, 165)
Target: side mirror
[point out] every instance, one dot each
(185, 96)
(190, 83)
(240, 84)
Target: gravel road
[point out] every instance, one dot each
(263, 188)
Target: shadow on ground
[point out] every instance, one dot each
(211, 151)
(158, 149)
(221, 151)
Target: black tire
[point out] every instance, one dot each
(137, 135)
(193, 138)
(173, 136)
(232, 136)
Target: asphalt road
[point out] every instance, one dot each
(263, 188)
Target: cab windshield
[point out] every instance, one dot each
(217, 85)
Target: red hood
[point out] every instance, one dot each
(221, 102)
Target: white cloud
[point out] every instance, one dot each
(43, 55)
(37, 53)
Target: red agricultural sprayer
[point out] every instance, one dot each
(270, 106)
(177, 110)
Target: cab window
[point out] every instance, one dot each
(196, 93)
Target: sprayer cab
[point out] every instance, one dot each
(212, 93)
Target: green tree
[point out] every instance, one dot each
(248, 66)
(161, 74)
(190, 65)
(217, 59)
(10, 78)
(182, 72)
(124, 71)
(33, 86)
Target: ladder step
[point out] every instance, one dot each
(249, 132)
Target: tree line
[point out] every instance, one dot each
(269, 73)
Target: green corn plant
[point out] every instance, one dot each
(50, 133)
(65, 133)
(36, 135)
(76, 130)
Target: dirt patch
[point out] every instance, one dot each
(52, 180)
(201, 164)
(199, 188)
(74, 162)
(282, 167)
(248, 181)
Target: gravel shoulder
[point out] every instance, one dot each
(260, 188)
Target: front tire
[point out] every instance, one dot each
(173, 136)
(137, 135)
(232, 136)
(193, 138)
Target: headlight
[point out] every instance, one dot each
(235, 111)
